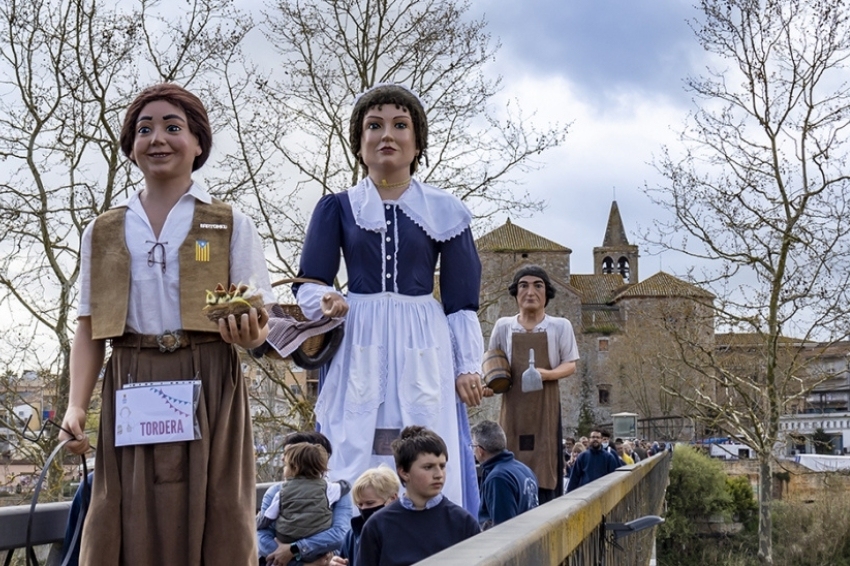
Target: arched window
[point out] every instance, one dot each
(623, 267)
(607, 266)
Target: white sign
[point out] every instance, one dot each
(151, 413)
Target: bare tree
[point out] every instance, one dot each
(760, 187)
(647, 361)
(68, 69)
(333, 50)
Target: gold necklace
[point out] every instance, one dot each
(389, 186)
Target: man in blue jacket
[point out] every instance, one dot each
(592, 464)
(508, 487)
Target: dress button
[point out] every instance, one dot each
(389, 276)
(388, 207)
(389, 257)
(389, 239)
(389, 222)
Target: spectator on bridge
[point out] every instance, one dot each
(374, 489)
(508, 487)
(532, 419)
(592, 464)
(620, 448)
(607, 445)
(654, 449)
(577, 449)
(640, 449)
(629, 448)
(310, 549)
(302, 506)
(423, 521)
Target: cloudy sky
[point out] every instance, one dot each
(615, 69)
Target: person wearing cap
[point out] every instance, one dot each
(532, 420)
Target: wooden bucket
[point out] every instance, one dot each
(496, 371)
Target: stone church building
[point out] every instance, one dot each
(623, 324)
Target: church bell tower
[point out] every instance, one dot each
(616, 255)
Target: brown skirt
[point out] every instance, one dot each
(180, 503)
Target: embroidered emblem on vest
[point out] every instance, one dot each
(202, 250)
(207, 226)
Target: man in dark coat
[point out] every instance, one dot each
(592, 464)
(508, 487)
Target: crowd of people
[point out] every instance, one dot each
(393, 433)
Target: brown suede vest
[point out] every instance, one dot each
(204, 262)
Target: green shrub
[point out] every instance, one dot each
(744, 507)
(697, 490)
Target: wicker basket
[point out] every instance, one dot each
(311, 346)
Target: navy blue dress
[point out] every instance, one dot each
(402, 348)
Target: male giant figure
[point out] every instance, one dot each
(532, 420)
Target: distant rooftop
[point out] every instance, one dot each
(597, 289)
(664, 285)
(511, 238)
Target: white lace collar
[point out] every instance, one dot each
(439, 213)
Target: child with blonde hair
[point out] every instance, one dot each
(373, 490)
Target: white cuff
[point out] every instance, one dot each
(309, 298)
(467, 342)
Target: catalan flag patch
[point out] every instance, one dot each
(202, 250)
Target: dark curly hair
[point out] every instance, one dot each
(402, 98)
(196, 117)
(534, 271)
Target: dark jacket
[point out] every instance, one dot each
(352, 539)
(508, 488)
(591, 465)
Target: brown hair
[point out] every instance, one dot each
(402, 98)
(306, 460)
(416, 440)
(196, 116)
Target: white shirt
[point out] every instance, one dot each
(154, 304)
(559, 335)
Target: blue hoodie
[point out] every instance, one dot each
(508, 488)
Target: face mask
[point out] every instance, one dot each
(366, 513)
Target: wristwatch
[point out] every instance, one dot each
(296, 554)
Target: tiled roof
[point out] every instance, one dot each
(663, 285)
(747, 339)
(594, 318)
(597, 289)
(511, 238)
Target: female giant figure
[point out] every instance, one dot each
(406, 358)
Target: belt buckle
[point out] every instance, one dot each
(169, 341)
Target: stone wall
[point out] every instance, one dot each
(793, 482)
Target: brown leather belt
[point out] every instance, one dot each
(168, 341)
